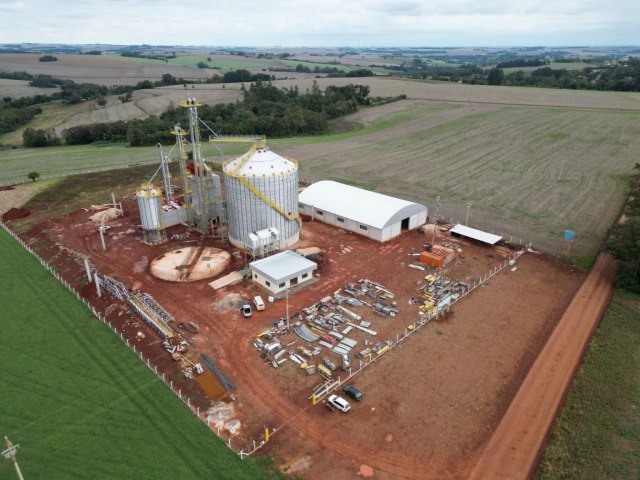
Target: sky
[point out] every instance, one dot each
(323, 23)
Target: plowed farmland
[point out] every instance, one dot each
(530, 172)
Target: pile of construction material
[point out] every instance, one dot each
(106, 215)
(326, 324)
(437, 256)
(437, 293)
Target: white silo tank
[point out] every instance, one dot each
(150, 206)
(262, 192)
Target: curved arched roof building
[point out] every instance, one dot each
(367, 213)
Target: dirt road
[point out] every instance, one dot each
(516, 445)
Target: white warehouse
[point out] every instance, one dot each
(367, 213)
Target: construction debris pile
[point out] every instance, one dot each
(327, 324)
(158, 319)
(437, 293)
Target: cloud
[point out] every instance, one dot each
(322, 23)
(12, 6)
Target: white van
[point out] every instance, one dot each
(258, 302)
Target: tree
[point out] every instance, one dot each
(101, 102)
(33, 176)
(126, 97)
(624, 244)
(496, 75)
(39, 138)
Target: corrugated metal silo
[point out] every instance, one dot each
(261, 191)
(150, 206)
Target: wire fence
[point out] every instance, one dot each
(248, 449)
(251, 446)
(333, 384)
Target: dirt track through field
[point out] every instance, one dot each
(515, 446)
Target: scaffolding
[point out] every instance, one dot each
(202, 186)
(113, 286)
(153, 313)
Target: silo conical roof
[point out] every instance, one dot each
(262, 163)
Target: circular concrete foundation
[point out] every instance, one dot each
(189, 264)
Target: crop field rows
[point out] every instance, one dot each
(533, 172)
(533, 162)
(77, 392)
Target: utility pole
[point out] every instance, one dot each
(101, 229)
(10, 453)
(287, 307)
(86, 266)
(468, 204)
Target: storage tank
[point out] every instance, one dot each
(261, 192)
(150, 206)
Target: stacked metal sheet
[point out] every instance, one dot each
(304, 333)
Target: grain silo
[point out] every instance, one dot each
(261, 192)
(150, 205)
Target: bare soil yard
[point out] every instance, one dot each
(430, 404)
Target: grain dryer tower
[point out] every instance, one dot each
(202, 192)
(261, 193)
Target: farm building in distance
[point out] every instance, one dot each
(281, 271)
(367, 213)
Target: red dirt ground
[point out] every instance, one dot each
(15, 213)
(430, 405)
(513, 450)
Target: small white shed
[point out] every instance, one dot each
(281, 271)
(364, 212)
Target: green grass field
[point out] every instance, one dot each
(59, 161)
(52, 115)
(597, 435)
(312, 65)
(63, 160)
(80, 403)
(193, 60)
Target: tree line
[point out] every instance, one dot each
(265, 109)
(621, 77)
(15, 113)
(624, 242)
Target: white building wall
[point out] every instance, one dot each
(276, 288)
(329, 218)
(416, 220)
(381, 235)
